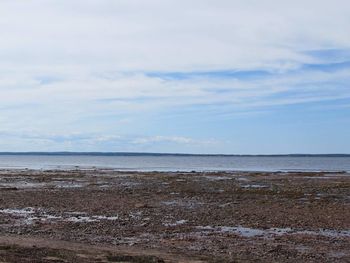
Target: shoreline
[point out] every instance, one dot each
(71, 168)
(174, 216)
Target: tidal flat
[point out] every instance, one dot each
(102, 215)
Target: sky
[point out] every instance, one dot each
(199, 76)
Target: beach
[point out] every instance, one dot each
(104, 215)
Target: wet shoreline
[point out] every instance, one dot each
(206, 216)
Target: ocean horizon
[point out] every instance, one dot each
(69, 153)
(168, 162)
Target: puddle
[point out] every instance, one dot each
(36, 185)
(30, 215)
(217, 178)
(180, 180)
(65, 184)
(242, 179)
(245, 231)
(254, 232)
(177, 223)
(254, 186)
(130, 241)
(182, 203)
(135, 215)
(23, 185)
(318, 177)
(337, 254)
(18, 212)
(337, 175)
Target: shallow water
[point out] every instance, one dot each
(30, 215)
(177, 163)
(254, 232)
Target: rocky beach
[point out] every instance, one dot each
(101, 215)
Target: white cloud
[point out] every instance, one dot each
(168, 35)
(30, 140)
(82, 66)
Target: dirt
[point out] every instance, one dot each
(114, 216)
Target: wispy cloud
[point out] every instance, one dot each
(92, 142)
(118, 68)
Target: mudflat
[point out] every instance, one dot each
(114, 216)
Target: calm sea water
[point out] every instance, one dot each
(178, 163)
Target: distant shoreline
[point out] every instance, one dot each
(163, 154)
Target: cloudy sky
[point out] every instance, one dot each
(199, 76)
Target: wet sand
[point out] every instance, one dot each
(110, 216)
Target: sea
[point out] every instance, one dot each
(165, 162)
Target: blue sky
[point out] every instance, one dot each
(240, 77)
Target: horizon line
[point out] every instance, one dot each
(102, 153)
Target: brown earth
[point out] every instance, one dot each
(111, 216)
